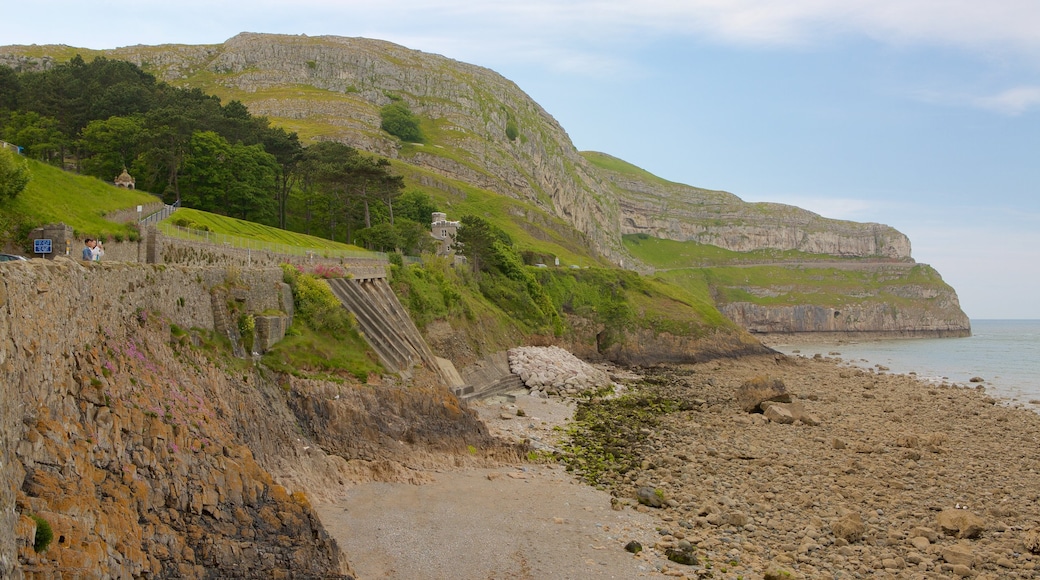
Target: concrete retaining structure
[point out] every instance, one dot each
(388, 329)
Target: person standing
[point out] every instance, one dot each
(88, 250)
(97, 251)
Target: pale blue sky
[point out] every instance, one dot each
(921, 114)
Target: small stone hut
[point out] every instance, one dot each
(124, 180)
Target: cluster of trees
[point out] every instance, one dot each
(106, 115)
(502, 275)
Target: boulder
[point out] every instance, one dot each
(960, 523)
(1032, 540)
(650, 497)
(752, 393)
(849, 528)
(958, 555)
(779, 414)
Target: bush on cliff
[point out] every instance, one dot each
(323, 338)
(315, 303)
(44, 534)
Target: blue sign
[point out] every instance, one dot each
(42, 246)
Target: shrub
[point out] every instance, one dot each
(511, 131)
(399, 121)
(44, 534)
(316, 303)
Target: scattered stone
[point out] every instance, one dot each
(1032, 540)
(779, 414)
(752, 393)
(554, 370)
(634, 547)
(921, 543)
(958, 555)
(976, 380)
(681, 556)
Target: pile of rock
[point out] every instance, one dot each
(554, 371)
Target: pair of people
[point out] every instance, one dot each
(93, 250)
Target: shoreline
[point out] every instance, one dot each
(754, 496)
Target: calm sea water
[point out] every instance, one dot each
(1005, 353)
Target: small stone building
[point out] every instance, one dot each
(444, 231)
(124, 180)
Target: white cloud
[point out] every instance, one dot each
(1014, 101)
(1009, 24)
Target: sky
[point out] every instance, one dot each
(920, 114)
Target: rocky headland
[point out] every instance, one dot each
(493, 137)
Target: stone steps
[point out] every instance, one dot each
(505, 385)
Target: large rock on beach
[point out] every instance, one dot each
(960, 523)
(756, 391)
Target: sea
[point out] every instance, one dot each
(1005, 354)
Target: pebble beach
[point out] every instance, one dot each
(883, 476)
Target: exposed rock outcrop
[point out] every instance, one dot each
(151, 457)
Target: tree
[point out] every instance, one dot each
(14, 174)
(10, 87)
(110, 145)
(288, 152)
(250, 191)
(414, 237)
(416, 206)
(325, 179)
(476, 239)
(381, 238)
(398, 120)
(37, 134)
(233, 180)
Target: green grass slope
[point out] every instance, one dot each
(267, 236)
(56, 196)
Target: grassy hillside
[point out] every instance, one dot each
(530, 227)
(56, 196)
(670, 254)
(228, 226)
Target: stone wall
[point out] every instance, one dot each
(123, 445)
(169, 250)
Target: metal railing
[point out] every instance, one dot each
(229, 241)
(160, 215)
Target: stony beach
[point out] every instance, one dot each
(884, 476)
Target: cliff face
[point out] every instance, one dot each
(333, 87)
(907, 301)
(121, 444)
(151, 454)
(346, 80)
(682, 213)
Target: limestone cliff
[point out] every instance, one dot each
(152, 454)
(486, 133)
(899, 300)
